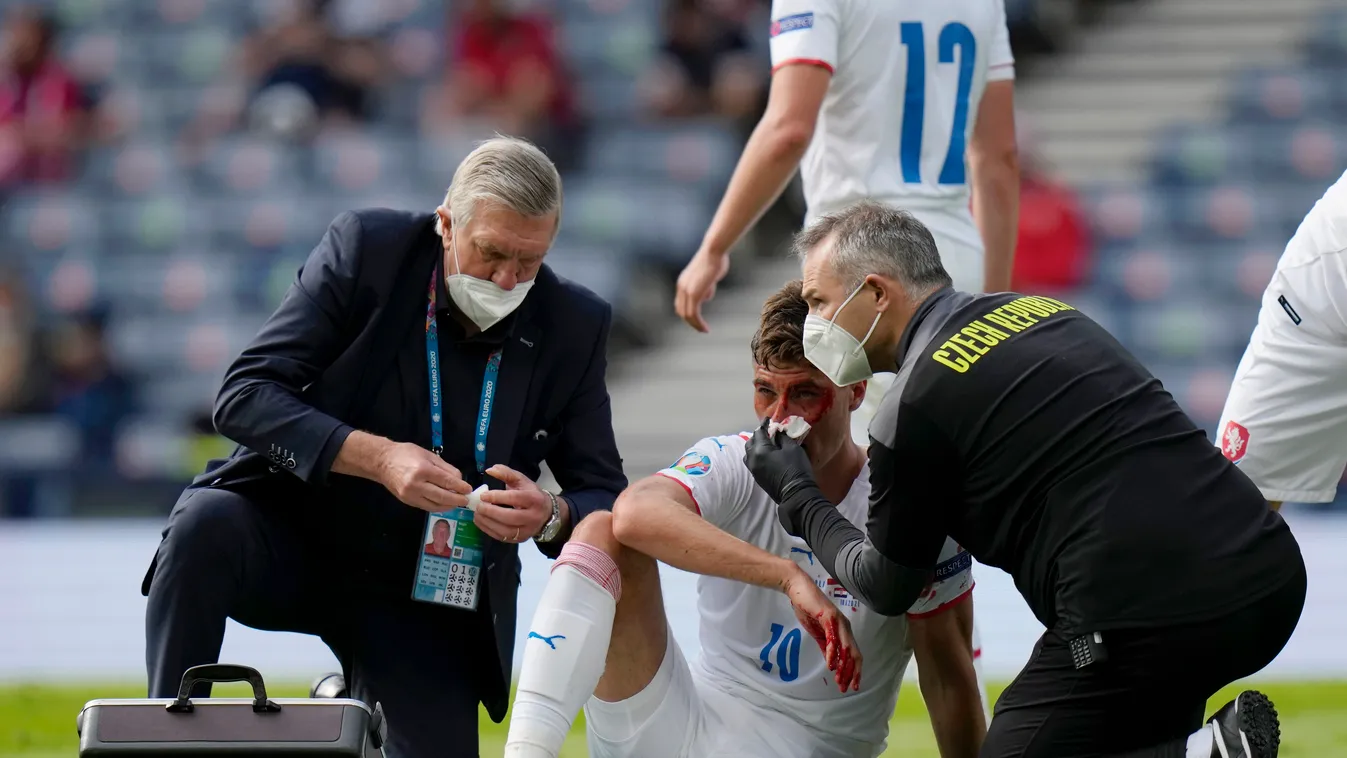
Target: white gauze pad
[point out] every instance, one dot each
(795, 427)
(475, 498)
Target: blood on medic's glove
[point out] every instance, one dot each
(778, 463)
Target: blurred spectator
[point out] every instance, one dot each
(1052, 252)
(20, 363)
(507, 74)
(297, 74)
(706, 66)
(87, 388)
(305, 73)
(43, 110)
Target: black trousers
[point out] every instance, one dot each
(1150, 694)
(225, 556)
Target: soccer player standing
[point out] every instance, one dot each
(907, 102)
(1285, 421)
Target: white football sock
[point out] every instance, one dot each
(565, 651)
(1200, 743)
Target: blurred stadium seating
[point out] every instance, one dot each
(188, 250)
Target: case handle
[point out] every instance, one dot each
(221, 672)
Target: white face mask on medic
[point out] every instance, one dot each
(481, 300)
(835, 351)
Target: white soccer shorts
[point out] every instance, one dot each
(679, 716)
(1285, 420)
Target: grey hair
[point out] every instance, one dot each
(506, 170)
(873, 238)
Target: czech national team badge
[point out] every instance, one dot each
(1234, 441)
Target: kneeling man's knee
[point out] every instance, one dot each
(210, 526)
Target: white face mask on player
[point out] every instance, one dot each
(835, 351)
(482, 300)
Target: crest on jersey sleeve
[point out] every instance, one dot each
(692, 463)
(1234, 441)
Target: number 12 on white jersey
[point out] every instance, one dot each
(958, 46)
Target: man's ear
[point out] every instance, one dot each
(446, 222)
(858, 395)
(884, 297)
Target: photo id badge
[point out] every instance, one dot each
(450, 567)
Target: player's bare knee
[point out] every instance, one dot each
(626, 518)
(596, 529)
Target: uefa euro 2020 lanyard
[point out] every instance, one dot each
(453, 581)
(433, 366)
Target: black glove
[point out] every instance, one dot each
(782, 469)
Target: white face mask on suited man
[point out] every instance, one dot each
(835, 351)
(483, 301)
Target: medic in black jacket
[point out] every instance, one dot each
(1022, 429)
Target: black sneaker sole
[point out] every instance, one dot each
(1259, 725)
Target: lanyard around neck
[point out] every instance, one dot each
(489, 380)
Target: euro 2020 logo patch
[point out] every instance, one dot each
(693, 463)
(1234, 441)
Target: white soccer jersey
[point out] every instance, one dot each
(1285, 421)
(752, 645)
(908, 76)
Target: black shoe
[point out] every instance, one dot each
(329, 686)
(1246, 727)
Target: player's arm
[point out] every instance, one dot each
(657, 516)
(804, 51)
(993, 160)
(772, 154)
(943, 645)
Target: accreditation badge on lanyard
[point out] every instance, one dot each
(450, 566)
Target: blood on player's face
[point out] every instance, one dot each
(782, 392)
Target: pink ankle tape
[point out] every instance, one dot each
(593, 563)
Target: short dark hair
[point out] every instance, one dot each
(779, 341)
(873, 238)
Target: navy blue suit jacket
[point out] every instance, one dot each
(342, 330)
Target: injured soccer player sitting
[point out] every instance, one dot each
(780, 672)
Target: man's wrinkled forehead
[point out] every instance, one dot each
(779, 377)
(818, 277)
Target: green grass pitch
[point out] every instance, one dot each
(38, 720)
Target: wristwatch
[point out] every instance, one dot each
(552, 528)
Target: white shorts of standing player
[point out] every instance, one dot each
(1285, 420)
(961, 251)
(681, 715)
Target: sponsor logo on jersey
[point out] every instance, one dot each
(953, 567)
(1234, 441)
(792, 23)
(692, 463)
